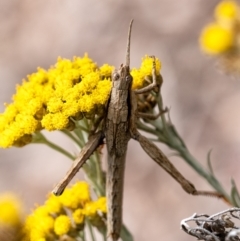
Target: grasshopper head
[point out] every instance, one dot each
(122, 78)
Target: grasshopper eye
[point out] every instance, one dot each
(116, 76)
(128, 78)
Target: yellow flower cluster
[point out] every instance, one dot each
(145, 70)
(50, 99)
(65, 215)
(221, 36)
(54, 99)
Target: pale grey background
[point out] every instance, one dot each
(204, 101)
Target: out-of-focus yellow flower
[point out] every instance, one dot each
(222, 37)
(216, 39)
(10, 210)
(226, 12)
(62, 225)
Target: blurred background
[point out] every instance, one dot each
(204, 101)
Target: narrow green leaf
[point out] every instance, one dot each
(125, 234)
(209, 162)
(235, 196)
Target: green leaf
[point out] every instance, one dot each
(209, 162)
(235, 194)
(125, 234)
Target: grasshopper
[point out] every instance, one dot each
(119, 128)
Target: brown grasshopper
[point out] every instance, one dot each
(119, 127)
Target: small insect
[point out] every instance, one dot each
(118, 128)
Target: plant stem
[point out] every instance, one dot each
(78, 141)
(40, 138)
(175, 142)
(90, 230)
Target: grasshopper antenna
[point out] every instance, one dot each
(128, 44)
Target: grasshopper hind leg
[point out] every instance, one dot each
(159, 157)
(153, 151)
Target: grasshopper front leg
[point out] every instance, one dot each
(94, 141)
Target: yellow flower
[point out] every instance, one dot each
(81, 190)
(106, 70)
(76, 196)
(37, 235)
(147, 65)
(65, 214)
(39, 224)
(62, 225)
(226, 12)
(78, 216)
(215, 39)
(94, 211)
(101, 204)
(56, 121)
(10, 210)
(53, 204)
(138, 78)
(145, 70)
(92, 208)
